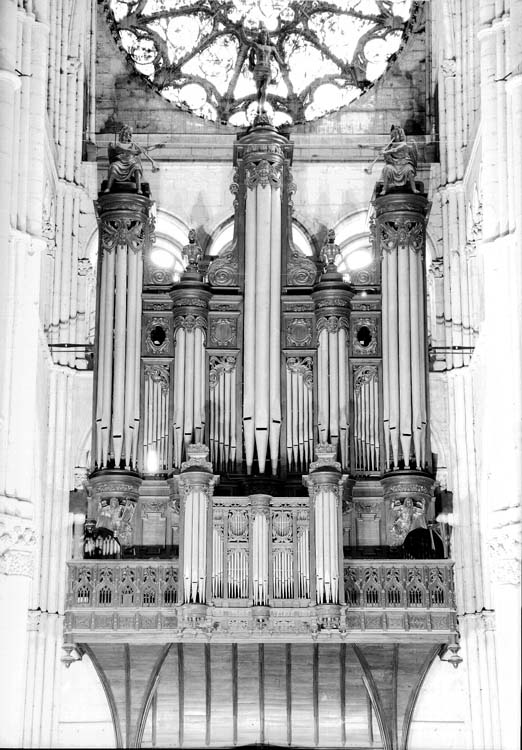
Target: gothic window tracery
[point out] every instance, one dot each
(197, 53)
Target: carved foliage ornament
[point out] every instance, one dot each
(131, 233)
(154, 346)
(402, 232)
(190, 322)
(363, 375)
(302, 366)
(371, 325)
(263, 173)
(332, 324)
(158, 374)
(218, 365)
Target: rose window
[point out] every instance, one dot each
(197, 53)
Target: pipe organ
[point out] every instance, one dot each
(250, 366)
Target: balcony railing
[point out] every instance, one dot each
(382, 598)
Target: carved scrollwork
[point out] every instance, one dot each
(263, 173)
(153, 345)
(238, 525)
(302, 366)
(223, 271)
(158, 374)
(299, 332)
(223, 331)
(128, 232)
(359, 346)
(234, 187)
(402, 232)
(363, 375)
(282, 527)
(301, 271)
(218, 365)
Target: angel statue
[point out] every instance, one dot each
(124, 160)
(260, 56)
(400, 157)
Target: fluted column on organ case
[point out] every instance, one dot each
(195, 484)
(190, 301)
(126, 229)
(325, 484)
(400, 219)
(262, 159)
(332, 310)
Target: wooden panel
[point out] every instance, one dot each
(248, 694)
(194, 695)
(167, 734)
(302, 702)
(329, 695)
(222, 718)
(275, 694)
(356, 705)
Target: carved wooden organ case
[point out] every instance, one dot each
(249, 366)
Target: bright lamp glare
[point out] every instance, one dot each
(152, 462)
(162, 258)
(358, 259)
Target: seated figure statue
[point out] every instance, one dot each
(124, 161)
(400, 158)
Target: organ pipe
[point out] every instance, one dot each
(195, 484)
(400, 232)
(325, 484)
(261, 153)
(125, 231)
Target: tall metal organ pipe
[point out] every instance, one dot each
(125, 232)
(401, 237)
(261, 153)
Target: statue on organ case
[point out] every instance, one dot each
(400, 158)
(260, 56)
(124, 160)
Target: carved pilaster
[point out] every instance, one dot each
(408, 501)
(113, 499)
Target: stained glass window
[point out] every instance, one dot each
(199, 55)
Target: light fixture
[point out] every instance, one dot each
(152, 462)
(451, 652)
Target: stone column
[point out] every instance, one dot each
(125, 230)
(401, 240)
(325, 483)
(195, 484)
(16, 569)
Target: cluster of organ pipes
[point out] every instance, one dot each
(299, 412)
(403, 337)
(156, 418)
(332, 386)
(326, 544)
(262, 314)
(222, 409)
(190, 378)
(366, 419)
(195, 543)
(118, 355)
(260, 554)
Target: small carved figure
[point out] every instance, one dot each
(260, 56)
(400, 158)
(409, 517)
(124, 160)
